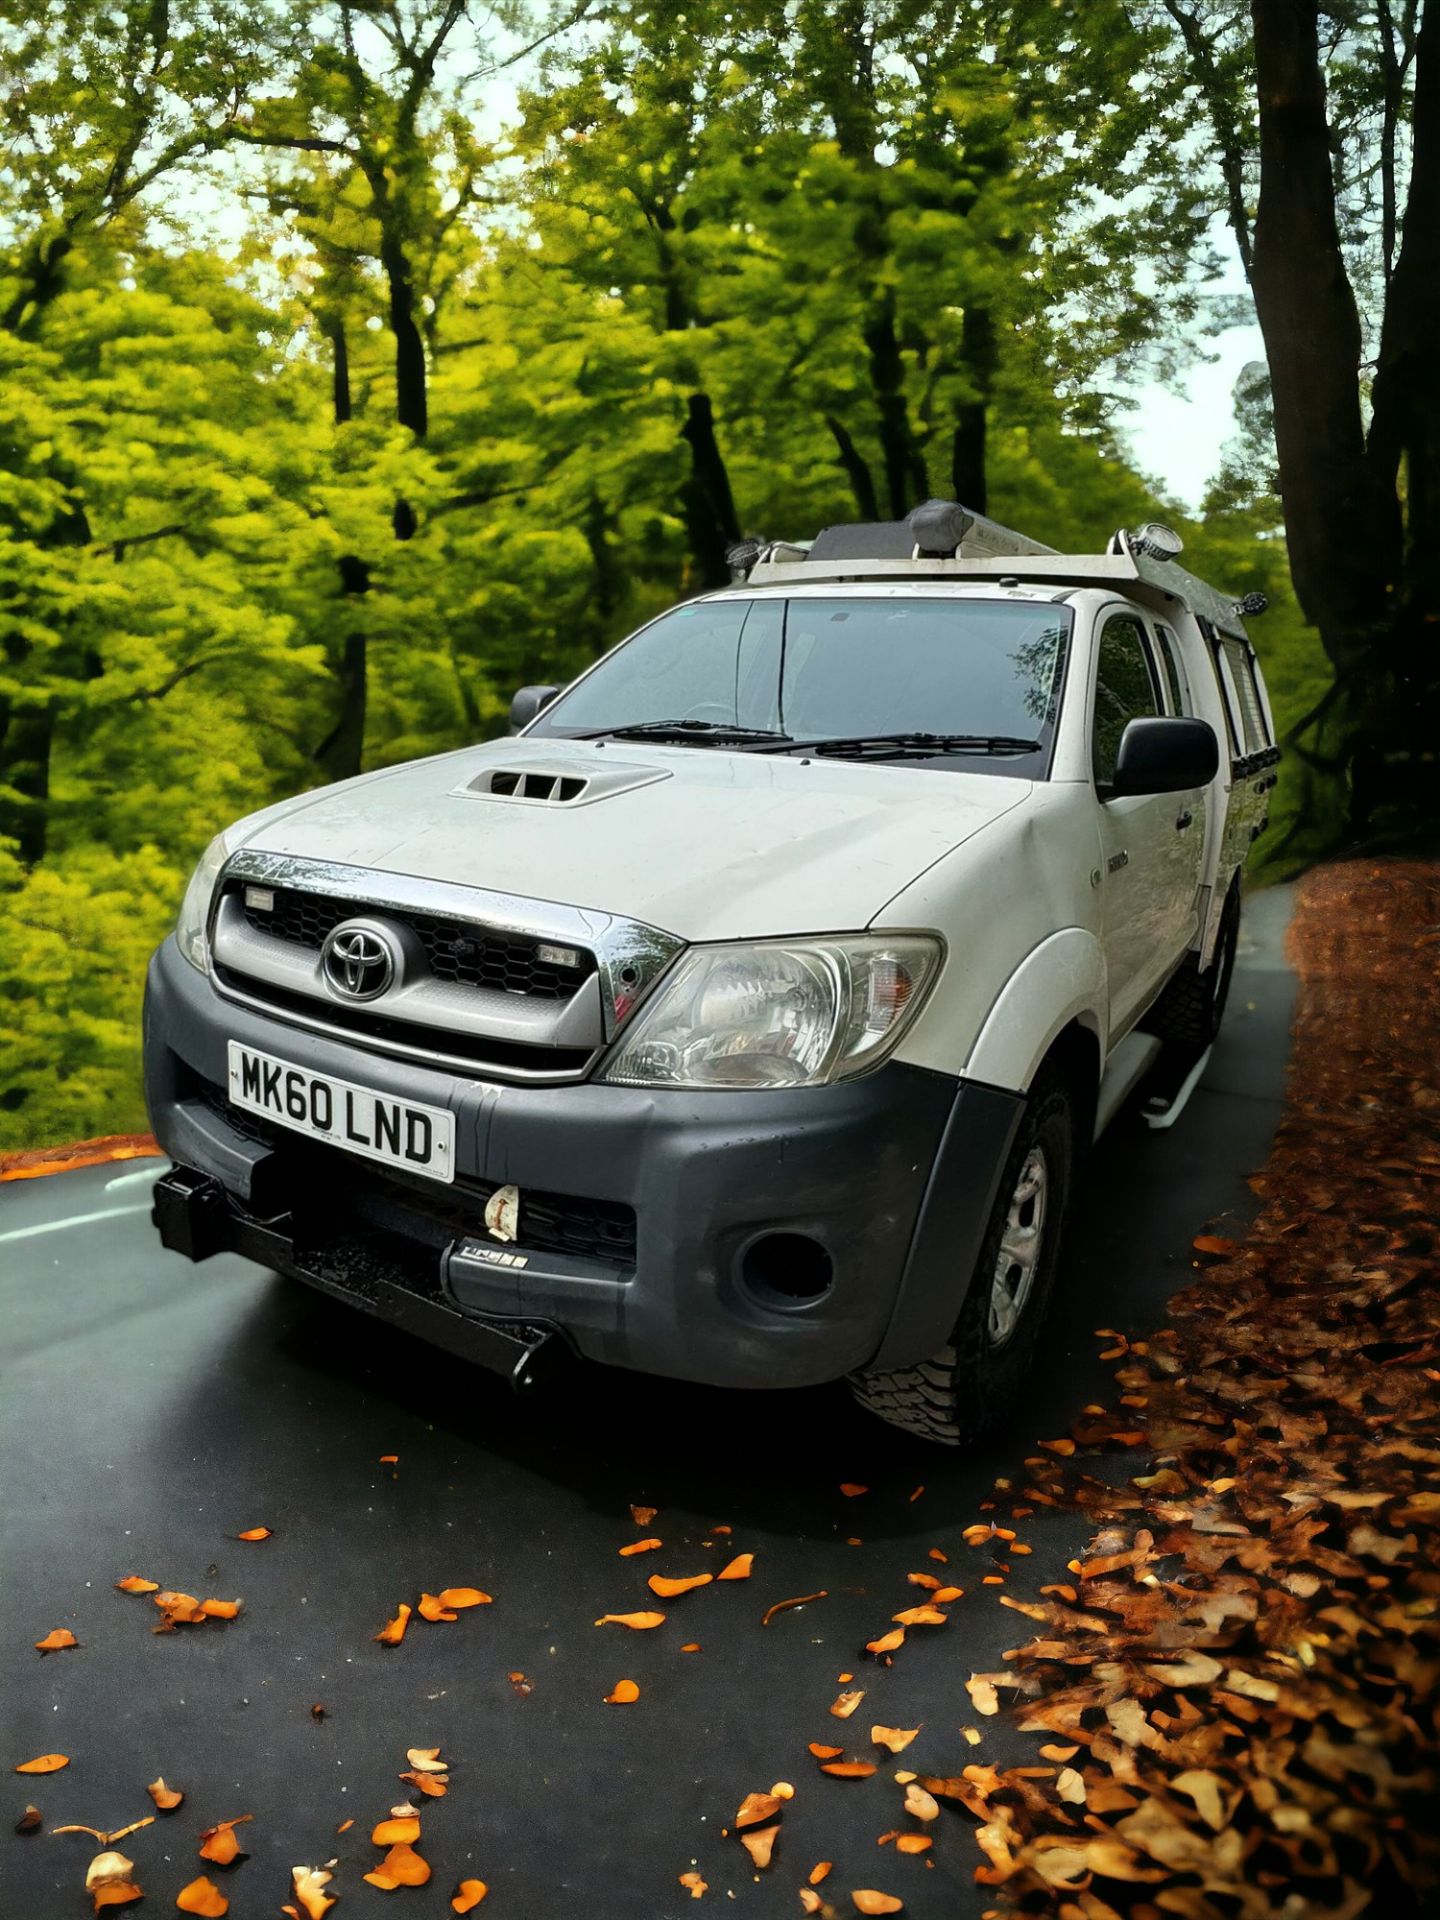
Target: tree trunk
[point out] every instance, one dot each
(27, 736)
(967, 455)
(709, 507)
(906, 484)
(857, 470)
(342, 752)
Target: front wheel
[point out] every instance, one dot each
(966, 1388)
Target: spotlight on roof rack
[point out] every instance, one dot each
(1251, 605)
(742, 555)
(939, 527)
(1156, 541)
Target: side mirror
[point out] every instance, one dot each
(1165, 755)
(529, 702)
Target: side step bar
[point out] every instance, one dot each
(195, 1216)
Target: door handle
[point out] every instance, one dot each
(1183, 820)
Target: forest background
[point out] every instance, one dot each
(361, 362)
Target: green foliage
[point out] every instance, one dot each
(425, 428)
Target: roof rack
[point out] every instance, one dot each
(945, 541)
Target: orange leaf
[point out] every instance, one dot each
(738, 1569)
(852, 1489)
(202, 1896)
(132, 1583)
(166, 1798)
(825, 1753)
(818, 1872)
(116, 1893)
(756, 1809)
(943, 1558)
(393, 1632)
(402, 1831)
(642, 1516)
(108, 1882)
(1215, 1244)
(401, 1867)
(389, 1459)
(220, 1609)
(624, 1692)
(759, 1843)
(895, 1738)
(30, 1821)
(849, 1769)
(671, 1589)
(924, 1580)
(691, 1646)
(913, 1843)
(47, 1763)
(888, 1642)
(640, 1621)
(57, 1639)
(921, 1617)
(308, 1885)
(698, 1887)
(433, 1608)
(426, 1760)
(183, 1607)
(464, 1597)
(255, 1533)
(784, 1606)
(640, 1546)
(468, 1895)
(435, 1785)
(845, 1705)
(218, 1843)
(345, 1825)
(946, 1596)
(867, 1900)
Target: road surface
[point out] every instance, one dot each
(152, 1410)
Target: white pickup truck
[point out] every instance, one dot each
(748, 1016)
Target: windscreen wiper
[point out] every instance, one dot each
(900, 746)
(706, 731)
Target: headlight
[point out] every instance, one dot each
(791, 1013)
(195, 907)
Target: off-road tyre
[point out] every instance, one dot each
(1189, 1011)
(966, 1388)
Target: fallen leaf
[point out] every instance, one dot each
(166, 1798)
(218, 1843)
(811, 1901)
(819, 1871)
(888, 1642)
(640, 1546)
(642, 1516)
(1215, 1245)
(692, 1646)
(202, 1896)
(671, 1589)
(220, 1609)
(401, 1867)
(921, 1617)
(523, 1686)
(255, 1533)
(697, 1887)
(389, 1459)
(867, 1900)
(756, 1809)
(983, 1696)
(784, 1606)
(845, 1705)
(920, 1804)
(463, 1597)
(913, 1843)
(433, 1784)
(318, 1711)
(182, 1609)
(849, 1769)
(738, 1568)
(623, 1694)
(30, 1821)
(943, 1558)
(852, 1489)
(947, 1596)
(116, 1893)
(47, 1763)
(308, 1885)
(759, 1843)
(783, 1790)
(426, 1760)
(468, 1896)
(345, 1826)
(403, 1830)
(641, 1622)
(825, 1753)
(432, 1607)
(109, 1869)
(56, 1641)
(1070, 1786)
(895, 1738)
(132, 1583)
(393, 1632)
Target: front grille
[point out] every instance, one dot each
(320, 1183)
(462, 955)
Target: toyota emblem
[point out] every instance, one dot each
(358, 962)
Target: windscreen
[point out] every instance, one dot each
(818, 668)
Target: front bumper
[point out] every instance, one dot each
(649, 1205)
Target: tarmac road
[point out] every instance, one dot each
(152, 1409)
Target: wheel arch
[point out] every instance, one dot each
(1055, 1002)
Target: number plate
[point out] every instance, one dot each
(400, 1133)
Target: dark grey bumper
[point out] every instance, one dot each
(891, 1176)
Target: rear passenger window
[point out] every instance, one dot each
(1125, 690)
(1252, 713)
